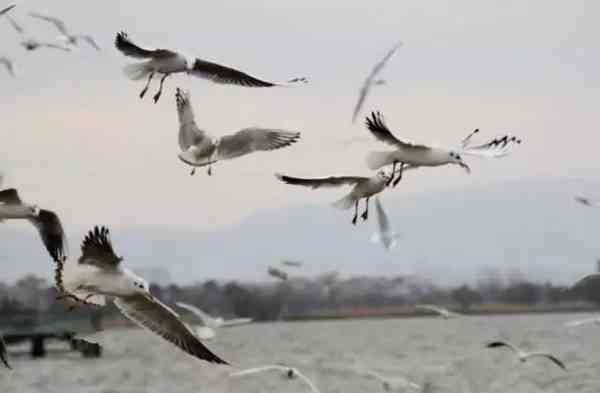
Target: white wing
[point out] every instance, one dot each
(189, 133)
(250, 140)
(439, 310)
(206, 319)
(549, 356)
(582, 322)
(151, 314)
(251, 371)
(236, 322)
(306, 380)
(495, 148)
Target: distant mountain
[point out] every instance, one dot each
(533, 226)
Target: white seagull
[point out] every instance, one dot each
(372, 81)
(211, 324)
(30, 43)
(385, 235)
(66, 36)
(287, 372)
(290, 263)
(98, 274)
(198, 148)
(4, 353)
(277, 273)
(6, 9)
(167, 62)
(363, 188)
(8, 63)
(587, 201)
(443, 312)
(411, 154)
(392, 384)
(581, 322)
(46, 222)
(523, 356)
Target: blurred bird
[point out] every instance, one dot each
(8, 63)
(443, 312)
(167, 62)
(211, 324)
(392, 384)
(290, 263)
(6, 9)
(287, 372)
(277, 273)
(385, 235)
(523, 356)
(587, 201)
(66, 36)
(581, 322)
(31, 43)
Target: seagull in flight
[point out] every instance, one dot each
(408, 153)
(45, 221)
(290, 263)
(4, 353)
(198, 148)
(385, 235)
(372, 80)
(393, 384)
(98, 274)
(65, 35)
(587, 201)
(211, 323)
(6, 9)
(8, 63)
(167, 62)
(581, 322)
(443, 312)
(585, 280)
(287, 372)
(523, 356)
(363, 188)
(31, 43)
(277, 273)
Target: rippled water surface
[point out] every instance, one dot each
(444, 356)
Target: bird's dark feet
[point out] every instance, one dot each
(397, 181)
(143, 92)
(209, 171)
(157, 96)
(354, 220)
(390, 181)
(193, 172)
(365, 215)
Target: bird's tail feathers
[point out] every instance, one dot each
(137, 71)
(345, 203)
(378, 159)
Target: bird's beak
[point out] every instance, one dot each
(465, 166)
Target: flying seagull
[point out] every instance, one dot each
(287, 372)
(198, 148)
(65, 35)
(6, 9)
(31, 43)
(363, 188)
(290, 263)
(585, 280)
(8, 63)
(392, 384)
(523, 356)
(98, 274)
(372, 80)
(423, 155)
(277, 273)
(213, 323)
(587, 201)
(443, 312)
(46, 222)
(385, 235)
(167, 62)
(581, 322)
(4, 353)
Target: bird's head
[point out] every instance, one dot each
(382, 175)
(34, 210)
(140, 285)
(184, 109)
(290, 373)
(456, 158)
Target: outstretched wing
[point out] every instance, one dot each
(97, 249)
(497, 147)
(332, 181)
(230, 76)
(10, 196)
(236, 322)
(257, 370)
(54, 46)
(8, 63)
(15, 25)
(90, 40)
(189, 133)
(128, 48)
(250, 140)
(51, 231)
(151, 314)
(582, 322)
(206, 319)
(6, 9)
(307, 381)
(379, 129)
(382, 218)
(500, 344)
(552, 358)
(58, 23)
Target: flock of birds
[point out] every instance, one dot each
(98, 276)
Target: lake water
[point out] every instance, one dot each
(445, 355)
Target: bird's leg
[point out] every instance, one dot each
(209, 170)
(399, 174)
(193, 172)
(355, 213)
(392, 176)
(160, 89)
(365, 215)
(145, 89)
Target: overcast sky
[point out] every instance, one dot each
(75, 137)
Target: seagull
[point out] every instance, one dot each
(288, 373)
(277, 273)
(372, 81)
(6, 9)
(211, 324)
(587, 201)
(198, 148)
(523, 356)
(443, 312)
(167, 62)
(46, 222)
(289, 263)
(65, 36)
(98, 274)
(4, 353)
(385, 234)
(30, 43)
(393, 384)
(364, 188)
(581, 322)
(422, 155)
(8, 63)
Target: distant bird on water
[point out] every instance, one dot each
(167, 62)
(66, 36)
(524, 356)
(199, 148)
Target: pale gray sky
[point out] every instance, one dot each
(75, 137)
